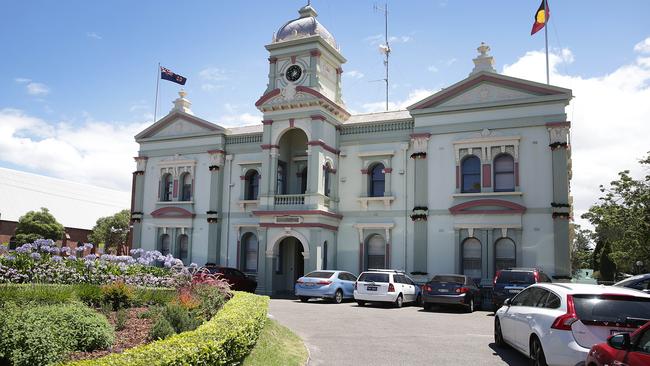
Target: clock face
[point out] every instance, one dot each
(293, 73)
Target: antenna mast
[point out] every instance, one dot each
(385, 48)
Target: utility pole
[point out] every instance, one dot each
(385, 48)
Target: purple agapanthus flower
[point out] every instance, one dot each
(35, 256)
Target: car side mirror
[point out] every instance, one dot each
(507, 302)
(620, 341)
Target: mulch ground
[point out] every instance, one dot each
(134, 334)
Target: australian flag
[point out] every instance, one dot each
(167, 74)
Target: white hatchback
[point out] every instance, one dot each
(383, 285)
(557, 323)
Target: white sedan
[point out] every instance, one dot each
(557, 323)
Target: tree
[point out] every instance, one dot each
(581, 249)
(38, 225)
(622, 222)
(111, 230)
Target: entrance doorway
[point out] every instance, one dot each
(289, 265)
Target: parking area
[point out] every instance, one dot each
(346, 334)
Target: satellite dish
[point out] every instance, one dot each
(384, 49)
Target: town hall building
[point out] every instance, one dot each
(469, 180)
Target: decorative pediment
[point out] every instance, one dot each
(488, 87)
(293, 97)
(172, 213)
(487, 207)
(178, 123)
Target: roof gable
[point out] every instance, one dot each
(179, 123)
(486, 87)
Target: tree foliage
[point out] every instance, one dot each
(111, 230)
(581, 249)
(621, 218)
(38, 225)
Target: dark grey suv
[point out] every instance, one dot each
(509, 282)
(640, 282)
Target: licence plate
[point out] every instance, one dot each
(371, 288)
(514, 291)
(309, 284)
(443, 290)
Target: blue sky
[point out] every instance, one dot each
(78, 77)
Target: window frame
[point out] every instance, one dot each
(367, 251)
(464, 174)
(247, 239)
(252, 185)
(514, 259)
(509, 172)
(167, 187)
(373, 181)
(480, 258)
(185, 189)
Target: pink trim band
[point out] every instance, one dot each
(507, 207)
(297, 212)
(324, 146)
(559, 124)
(304, 224)
(172, 213)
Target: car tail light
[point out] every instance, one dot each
(391, 288)
(564, 321)
(324, 282)
(462, 290)
(496, 277)
(426, 288)
(536, 275)
(300, 281)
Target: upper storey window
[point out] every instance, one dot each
(504, 173)
(377, 180)
(252, 185)
(186, 187)
(167, 183)
(471, 175)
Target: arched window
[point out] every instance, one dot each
(327, 170)
(281, 178)
(504, 254)
(186, 187)
(249, 247)
(167, 187)
(165, 244)
(325, 255)
(470, 170)
(252, 185)
(376, 252)
(303, 180)
(183, 247)
(377, 180)
(472, 258)
(504, 173)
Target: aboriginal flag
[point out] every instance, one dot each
(541, 17)
(167, 74)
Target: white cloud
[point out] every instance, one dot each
(413, 97)
(643, 46)
(380, 39)
(354, 74)
(33, 88)
(451, 61)
(609, 115)
(212, 77)
(400, 39)
(98, 153)
(93, 35)
(233, 116)
(432, 68)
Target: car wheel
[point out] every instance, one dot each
(428, 307)
(399, 302)
(338, 296)
(470, 306)
(361, 303)
(498, 335)
(537, 357)
(303, 298)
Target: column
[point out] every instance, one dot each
(273, 171)
(559, 144)
(272, 72)
(313, 68)
(420, 201)
(264, 263)
(217, 158)
(137, 197)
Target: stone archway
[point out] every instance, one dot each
(289, 251)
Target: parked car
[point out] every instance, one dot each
(640, 282)
(557, 324)
(451, 290)
(237, 279)
(386, 285)
(335, 285)
(509, 282)
(623, 349)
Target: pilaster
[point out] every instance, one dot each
(217, 158)
(559, 144)
(137, 198)
(421, 201)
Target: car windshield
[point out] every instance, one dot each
(629, 281)
(612, 308)
(373, 277)
(516, 277)
(452, 279)
(320, 274)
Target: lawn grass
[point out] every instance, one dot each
(277, 346)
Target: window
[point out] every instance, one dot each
(470, 175)
(186, 187)
(373, 277)
(377, 181)
(504, 173)
(164, 244)
(281, 178)
(326, 173)
(505, 256)
(250, 247)
(376, 252)
(643, 344)
(319, 274)
(303, 180)
(325, 255)
(553, 301)
(252, 185)
(183, 247)
(472, 258)
(521, 298)
(167, 187)
(536, 298)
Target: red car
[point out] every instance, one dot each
(623, 349)
(237, 279)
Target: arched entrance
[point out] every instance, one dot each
(288, 264)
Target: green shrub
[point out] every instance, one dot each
(151, 312)
(45, 334)
(153, 296)
(118, 294)
(37, 293)
(224, 340)
(180, 318)
(91, 295)
(161, 329)
(120, 319)
(211, 300)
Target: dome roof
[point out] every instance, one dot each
(305, 26)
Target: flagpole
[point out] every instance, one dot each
(546, 17)
(155, 108)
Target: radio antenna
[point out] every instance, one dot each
(384, 49)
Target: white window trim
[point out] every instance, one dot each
(385, 199)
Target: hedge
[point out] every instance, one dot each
(225, 339)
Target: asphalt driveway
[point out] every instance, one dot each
(346, 334)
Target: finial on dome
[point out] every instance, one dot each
(181, 104)
(307, 11)
(483, 62)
